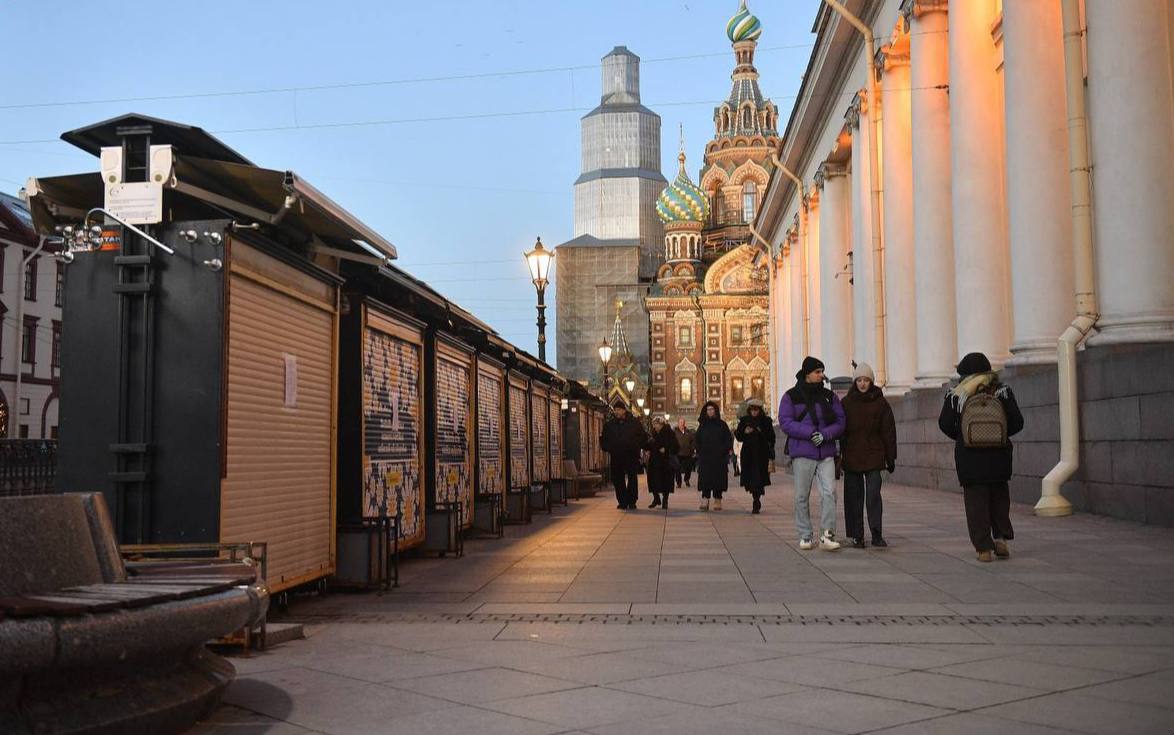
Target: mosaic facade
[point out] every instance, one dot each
(454, 401)
(489, 433)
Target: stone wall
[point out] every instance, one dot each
(1127, 434)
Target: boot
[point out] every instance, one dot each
(717, 503)
(665, 502)
(757, 507)
(655, 500)
(704, 504)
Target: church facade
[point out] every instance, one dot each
(708, 307)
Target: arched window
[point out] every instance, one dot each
(749, 194)
(715, 213)
(686, 390)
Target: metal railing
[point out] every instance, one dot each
(27, 466)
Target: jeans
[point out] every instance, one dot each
(861, 492)
(824, 472)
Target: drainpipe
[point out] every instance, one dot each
(1051, 502)
(14, 418)
(878, 246)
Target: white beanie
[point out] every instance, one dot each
(864, 371)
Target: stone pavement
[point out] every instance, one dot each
(601, 621)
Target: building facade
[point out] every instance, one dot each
(30, 327)
(708, 308)
(942, 177)
(615, 250)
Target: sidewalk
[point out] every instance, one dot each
(603, 621)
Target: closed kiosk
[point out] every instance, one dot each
(449, 440)
(557, 440)
(491, 445)
(517, 505)
(540, 445)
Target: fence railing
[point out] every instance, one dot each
(27, 466)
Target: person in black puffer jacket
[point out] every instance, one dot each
(757, 434)
(714, 443)
(984, 473)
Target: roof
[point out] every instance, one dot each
(183, 138)
(15, 217)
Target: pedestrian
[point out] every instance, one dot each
(686, 453)
(623, 438)
(812, 418)
(981, 415)
(757, 437)
(734, 455)
(869, 446)
(714, 444)
(662, 462)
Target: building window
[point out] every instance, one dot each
(23, 432)
(736, 338)
(56, 361)
(686, 390)
(758, 388)
(60, 293)
(30, 280)
(2, 251)
(28, 341)
(737, 388)
(685, 336)
(749, 195)
(758, 334)
(52, 432)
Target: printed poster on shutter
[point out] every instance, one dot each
(453, 459)
(489, 445)
(519, 439)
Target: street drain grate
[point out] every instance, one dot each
(1152, 621)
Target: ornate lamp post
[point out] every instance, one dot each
(605, 351)
(538, 260)
(630, 384)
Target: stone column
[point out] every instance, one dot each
(814, 296)
(835, 293)
(863, 277)
(1132, 135)
(982, 284)
(933, 243)
(795, 278)
(1039, 224)
(897, 169)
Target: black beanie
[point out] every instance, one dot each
(975, 362)
(810, 365)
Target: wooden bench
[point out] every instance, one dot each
(582, 484)
(92, 644)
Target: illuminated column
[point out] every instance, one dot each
(933, 243)
(814, 296)
(1129, 83)
(863, 276)
(795, 276)
(981, 281)
(897, 168)
(835, 293)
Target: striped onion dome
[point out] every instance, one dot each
(681, 201)
(743, 26)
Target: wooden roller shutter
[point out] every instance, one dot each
(490, 428)
(556, 437)
(279, 471)
(539, 432)
(519, 433)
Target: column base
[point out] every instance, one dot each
(931, 382)
(1133, 329)
(1033, 352)
(893, 390)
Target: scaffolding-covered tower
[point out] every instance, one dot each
(617, 244)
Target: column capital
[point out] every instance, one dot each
(912, 9)
(828, 170)
(886, 58)
(858, 107)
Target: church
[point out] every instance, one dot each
(707, 308)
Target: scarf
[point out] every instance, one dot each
(972, 384)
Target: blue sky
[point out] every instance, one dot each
(460, 197)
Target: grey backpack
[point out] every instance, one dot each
(984, 420)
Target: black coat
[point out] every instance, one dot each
(981, 466)
(758, 448)
(714, 444)
(623, 439)
(662, 450)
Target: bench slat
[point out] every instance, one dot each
(28, 607)
(130, 597)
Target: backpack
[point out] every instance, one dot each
(984, 420)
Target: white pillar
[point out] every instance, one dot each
(835, 293)
(897, 169)
(1132, 136)
(1039, 224)
(795, 277)
(982, 284)
(863, 301)
(814, 297)
(933, 243)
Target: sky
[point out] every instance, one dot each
(450, 127)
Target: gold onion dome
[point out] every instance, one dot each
(743, 26)
(682, 201)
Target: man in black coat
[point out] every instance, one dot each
(983, 472)
(623, 438)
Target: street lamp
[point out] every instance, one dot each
(604, 352)
(629, 383)
(538, 260)
(640, 402)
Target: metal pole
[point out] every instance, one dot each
(541, 324)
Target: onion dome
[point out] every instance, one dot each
(743, 26)
(681, 201)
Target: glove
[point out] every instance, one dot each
(890, 465)
(817, 438)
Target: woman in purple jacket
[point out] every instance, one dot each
(812, 418)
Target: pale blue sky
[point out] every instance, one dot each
(460, 197)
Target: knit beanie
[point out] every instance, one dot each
(863, 370)
(975, 362)
(810, 365)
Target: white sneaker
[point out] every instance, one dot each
(704, 504)
(717, 504)
(828, 542)
(805, 544)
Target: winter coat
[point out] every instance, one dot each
(870, 439)
(799, 423)
(623, 439)
(662, 450)
(685, 439)
(977, 466)
(758, 447)
(714, 443)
